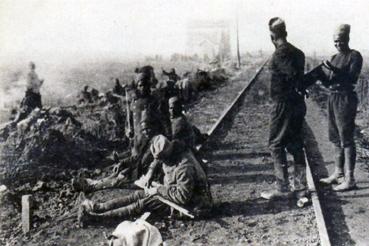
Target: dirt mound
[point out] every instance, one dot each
(55, 139)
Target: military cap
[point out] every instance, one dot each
(277, 26)
(161, 147)
(342, 32)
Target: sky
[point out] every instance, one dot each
(61, 29)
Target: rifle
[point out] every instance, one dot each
(169, 203)
(128, 117)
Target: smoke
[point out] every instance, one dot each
(62, 80)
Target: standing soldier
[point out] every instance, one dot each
(287, 113)
(342, 72)
(32, 98)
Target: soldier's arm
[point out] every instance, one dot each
(352, 74)
(355, 67)
(300, 86)
(181, 192)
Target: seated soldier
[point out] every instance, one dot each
(128, 169)
(182, 129)
(171, 90)
(185, 88)
(185, 183)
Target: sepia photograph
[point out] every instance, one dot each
(184, 122)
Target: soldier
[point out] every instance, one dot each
(143, 100)
(342, 72)
(287, 113)
(185, 88)
(182, 129)
(32, 98)
(128, 169)
(172, 75)
(148, 71)
(185, 183)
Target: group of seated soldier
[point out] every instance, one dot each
(163, 149)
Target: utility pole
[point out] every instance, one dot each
(238, 44)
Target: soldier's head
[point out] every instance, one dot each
(32, 65)
(162, 149)
(277, 28)
(341, 37)
(147, 125)
(143, 84)
(175, 107)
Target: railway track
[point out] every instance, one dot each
(253, 98)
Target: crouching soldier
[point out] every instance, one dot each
(185, 183)
(128, 169)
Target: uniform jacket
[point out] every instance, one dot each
(347, 70)
(186, 183)
(182, 130)
(287, 71)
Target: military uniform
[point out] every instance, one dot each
(287, 113)
(185, 183)
(128, 169)
(137, 106)
(341, 75)
(183, 131)
(342, 100)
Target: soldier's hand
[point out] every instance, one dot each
(151, 191)
(327, 64)
(148, 178)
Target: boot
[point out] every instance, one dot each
(86, 217)
(278, 192)
(300, 183)
(115, 180)
(349, 182)
(338, 169)
(281, 184)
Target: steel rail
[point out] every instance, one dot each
(322, 228)
(229, 109)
